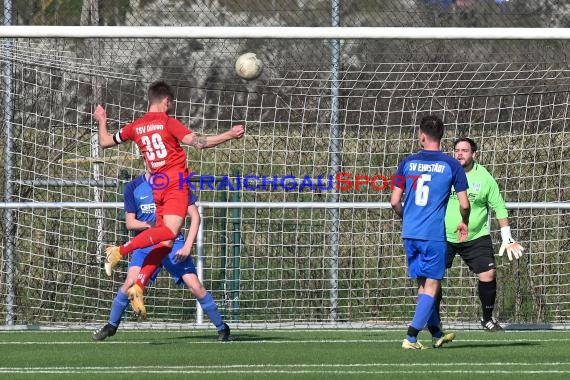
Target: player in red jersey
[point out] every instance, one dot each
(158, 137)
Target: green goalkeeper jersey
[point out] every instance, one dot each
(483, 194)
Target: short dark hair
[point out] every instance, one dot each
(158, 91)
(468, 140)
(432, 126)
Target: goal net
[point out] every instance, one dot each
(290, 259)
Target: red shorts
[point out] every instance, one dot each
(173, 200)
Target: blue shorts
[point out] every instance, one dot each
(426, 258)
(176, 270)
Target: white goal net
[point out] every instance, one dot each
(290, 259)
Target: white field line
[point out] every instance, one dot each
(296, 365)
(288, 369)
(137, 328)
(284, 341)
(323, 368)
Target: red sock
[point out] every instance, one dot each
(151, 262)
(147, 238)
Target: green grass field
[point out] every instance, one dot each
(281, 354)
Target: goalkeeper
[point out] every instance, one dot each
(140, 214)
(477, 251)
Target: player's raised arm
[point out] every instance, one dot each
(203, 142)
(105, 139)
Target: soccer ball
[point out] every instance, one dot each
(248, 66)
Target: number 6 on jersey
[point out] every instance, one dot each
(422, 189)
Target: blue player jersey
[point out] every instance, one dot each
(429, 176)
(138, 200)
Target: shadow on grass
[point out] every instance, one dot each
(213, 338)
(456, 345)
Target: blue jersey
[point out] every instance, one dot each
(138, 200)
(429, 176)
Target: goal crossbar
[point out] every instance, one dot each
(236, 32)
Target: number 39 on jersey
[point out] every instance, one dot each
(154, 147)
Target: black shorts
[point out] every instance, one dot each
(478, 254)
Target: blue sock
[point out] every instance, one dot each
(435, 321)
(211, 308)
(120, 304)
(424, 309)
(412, 339)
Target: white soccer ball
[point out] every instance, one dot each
(248, 66)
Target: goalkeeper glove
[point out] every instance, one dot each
(510, 245)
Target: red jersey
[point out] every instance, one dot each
(157, 136)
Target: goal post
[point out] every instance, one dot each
(267, 254)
